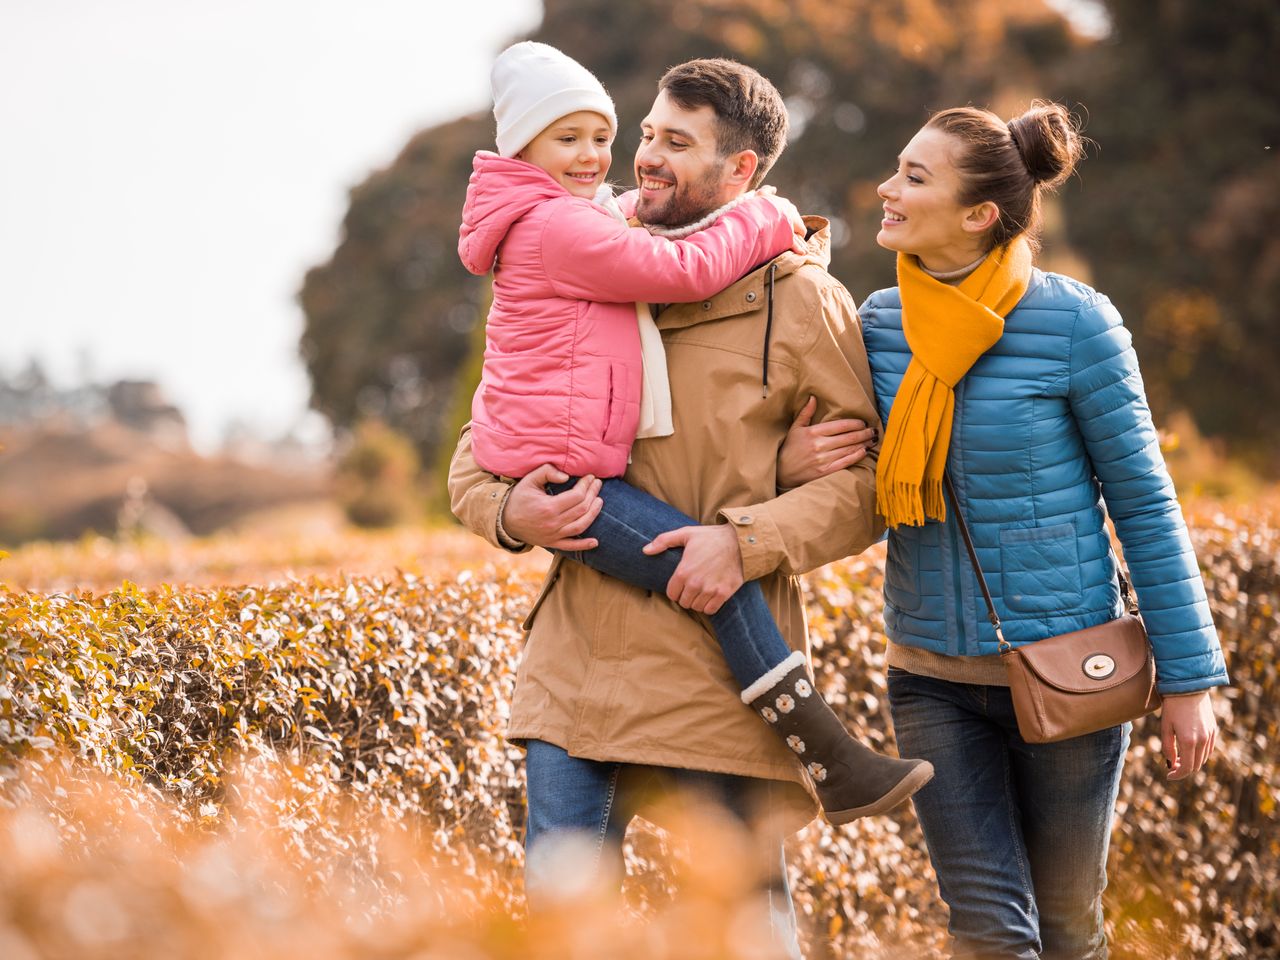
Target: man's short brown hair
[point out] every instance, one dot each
(749, 111)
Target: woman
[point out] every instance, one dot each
(1025, 387)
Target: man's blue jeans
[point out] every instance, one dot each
(630, 518)
(1017, 832)
(592, 801)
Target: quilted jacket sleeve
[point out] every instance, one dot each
(834, 516)
(1110, 407)
(591, 256)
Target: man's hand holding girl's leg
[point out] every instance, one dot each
(555, 521)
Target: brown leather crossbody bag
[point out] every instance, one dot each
(1079, 682)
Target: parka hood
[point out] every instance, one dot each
(500, 191)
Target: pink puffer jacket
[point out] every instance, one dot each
(562, 376)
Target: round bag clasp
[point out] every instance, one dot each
(1099, 666)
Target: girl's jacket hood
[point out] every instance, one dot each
(500, 191)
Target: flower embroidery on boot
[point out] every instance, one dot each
(785, 704)
(769, 715)
(795, 743)
(802, 688)
(817, 771)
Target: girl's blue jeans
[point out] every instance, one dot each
(1017, 832)
(631, 518)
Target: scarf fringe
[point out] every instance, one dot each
(904, 504)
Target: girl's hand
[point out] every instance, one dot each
(788, 210)
(1188, 733)
(810, 452)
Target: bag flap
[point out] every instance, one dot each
(1096, 658)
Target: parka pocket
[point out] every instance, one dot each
(616, 416)
(1040, 568)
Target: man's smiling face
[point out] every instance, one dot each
(679, 169)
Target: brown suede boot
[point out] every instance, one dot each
(851, 779)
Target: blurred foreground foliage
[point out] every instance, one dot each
(316, 768)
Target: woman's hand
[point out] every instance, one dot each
(810, 452)
(1188, 733)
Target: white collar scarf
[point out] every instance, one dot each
(655, 387)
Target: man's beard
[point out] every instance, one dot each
(688, 202)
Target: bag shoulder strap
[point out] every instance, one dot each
(977, 568)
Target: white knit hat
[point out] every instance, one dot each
(533, 86)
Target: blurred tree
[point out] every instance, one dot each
(458, 412)
(1177, 210)
(387, 319)
(378, 477)
(389, 316)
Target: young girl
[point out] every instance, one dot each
(563, 380)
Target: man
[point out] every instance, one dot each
(620, 689)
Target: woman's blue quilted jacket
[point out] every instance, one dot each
(1051, 422)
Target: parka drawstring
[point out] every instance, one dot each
(768, 328)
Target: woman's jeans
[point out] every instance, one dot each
(1017, 832)
(631, 518)
(583, 807)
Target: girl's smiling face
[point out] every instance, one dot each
(922, 212)
(575, 151)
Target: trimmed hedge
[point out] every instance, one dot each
(387, 697)
(391, 692)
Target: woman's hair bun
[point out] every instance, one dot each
(1048, 138)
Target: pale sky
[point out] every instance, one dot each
(168, 171)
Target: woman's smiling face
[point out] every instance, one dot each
(922, 211)
(575, 151)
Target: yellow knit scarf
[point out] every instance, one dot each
(947, 328)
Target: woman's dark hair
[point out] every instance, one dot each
(1012, 164)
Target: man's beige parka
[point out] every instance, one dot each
(612, 672)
